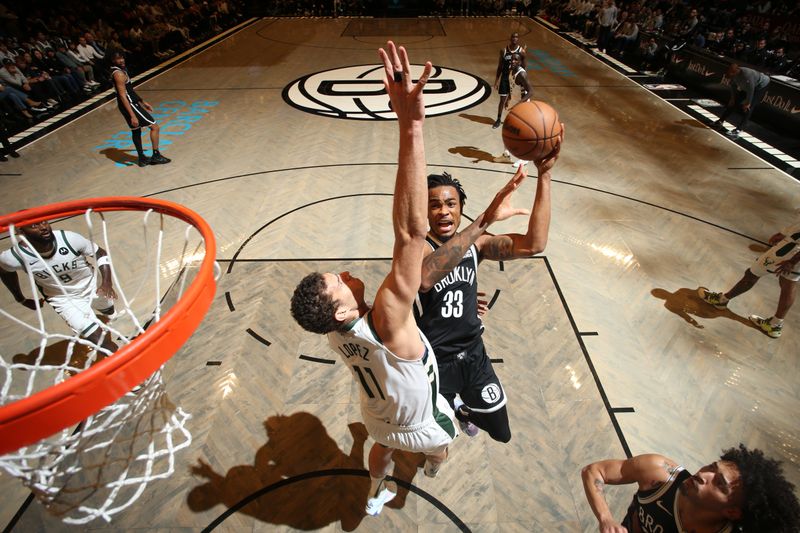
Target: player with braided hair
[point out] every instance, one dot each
(446, 308)
(743, 489)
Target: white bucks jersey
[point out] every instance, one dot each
(393, 390)
(68, 264)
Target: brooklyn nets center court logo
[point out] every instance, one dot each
(358, 92)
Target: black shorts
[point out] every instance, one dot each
(505, 86)
(470, 374)
(145, 119)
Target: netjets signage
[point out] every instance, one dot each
(358, 92)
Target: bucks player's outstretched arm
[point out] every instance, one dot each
(392, 315)
(515, 245)
(438, 263)
(648, 470)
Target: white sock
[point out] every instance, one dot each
(775, 321)
(724, 299)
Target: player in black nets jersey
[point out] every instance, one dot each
(501, 82)
(136, 112)
(742, 491)
(446, 308)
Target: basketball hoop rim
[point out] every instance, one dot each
(46, 412)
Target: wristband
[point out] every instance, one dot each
(105, 260)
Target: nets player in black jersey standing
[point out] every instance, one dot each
(501, 82)
(446, 309)
(136, 112)
(743, 490)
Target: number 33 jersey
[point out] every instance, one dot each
(448, 313)
(394, 390)
(68, 263)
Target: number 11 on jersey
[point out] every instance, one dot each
(364, 383)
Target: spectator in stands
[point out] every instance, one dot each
(758, 55)
(698, 39)
(745, 32)
(592, 24)
(41, 42)
(606, 19)
(655, 21)
(764, 32)
(115, 45)
(584, 13)
(13, 78)
(86, 64)
(764, 7)
(57, 73)
(6, 53)
(727, 43)
(777, 62)
(20, 101)
(649, 50)
(626, 37)
(83, 73)
(52, 64)
(87, 51)
(42, 85)
(89, 39)
(713, 42)
(739, 51)
(689, 26)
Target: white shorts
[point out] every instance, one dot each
(429, 437)
(768, 261)
(78, 311)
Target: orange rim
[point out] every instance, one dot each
(46, 412)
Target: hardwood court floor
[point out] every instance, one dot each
(648, 204)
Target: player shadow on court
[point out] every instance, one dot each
(477, 118)
(56, 355)
(477, 155)
(120, 156)
(282, 482)
(687, 304)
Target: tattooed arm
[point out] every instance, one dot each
(649, 471)
(515, 245)
(437, 264)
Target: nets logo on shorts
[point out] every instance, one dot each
(358, 93)
(491, 393)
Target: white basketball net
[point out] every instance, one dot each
(101, 466)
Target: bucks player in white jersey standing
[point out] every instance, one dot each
(400, 401)
(58, 262)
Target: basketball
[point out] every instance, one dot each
(531, 130)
